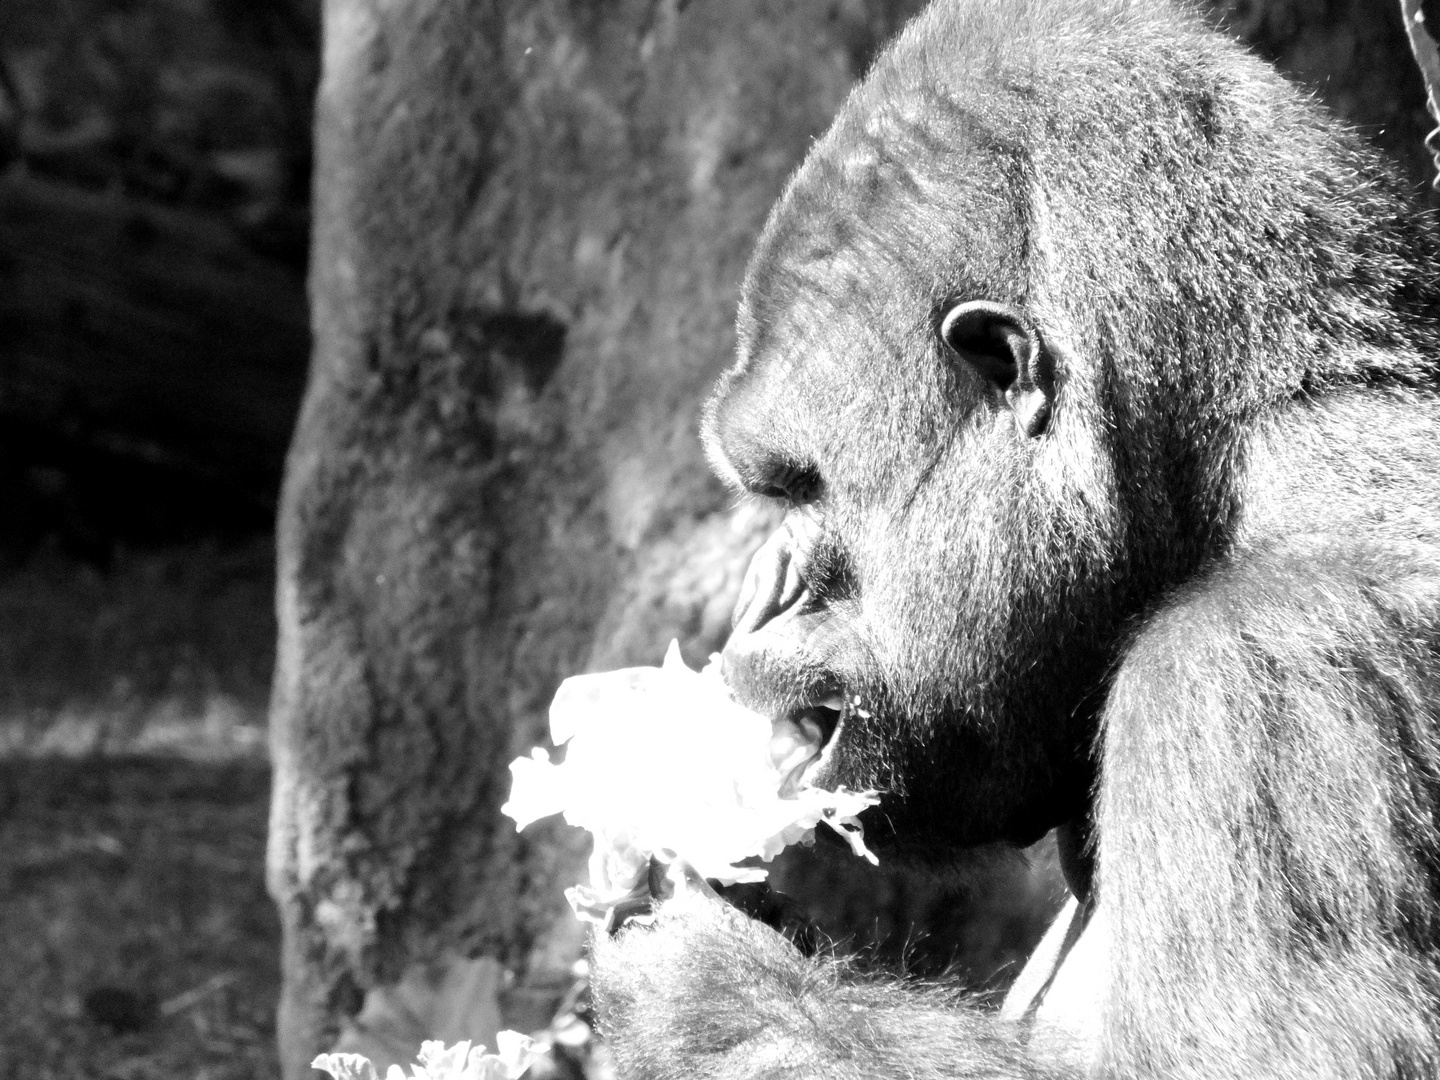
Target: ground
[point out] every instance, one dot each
(136, 937)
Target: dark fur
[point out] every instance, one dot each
(1200, 610)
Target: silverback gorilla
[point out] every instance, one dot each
(1096, 366)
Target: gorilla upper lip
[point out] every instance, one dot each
(800, 741)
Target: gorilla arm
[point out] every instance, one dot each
(706, 992)
(1268, 853)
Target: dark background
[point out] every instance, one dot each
(155, 162)
(154, 182)
(154, 179)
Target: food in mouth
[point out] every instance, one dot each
(661, 763)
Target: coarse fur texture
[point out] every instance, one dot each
(1148, 548)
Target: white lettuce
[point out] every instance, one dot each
(514, 1054)
(661, 762)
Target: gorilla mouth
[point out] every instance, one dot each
(802, 742)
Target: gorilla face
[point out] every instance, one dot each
(935, 604)
(948, 585)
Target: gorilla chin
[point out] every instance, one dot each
(937, 812)
(956, 769)
(928, 818)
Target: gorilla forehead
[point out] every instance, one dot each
(917, 194)
(1031, 152)
(924, 186)
(900, 185)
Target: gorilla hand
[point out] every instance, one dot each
(704, 991)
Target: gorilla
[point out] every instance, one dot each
(1094, 365)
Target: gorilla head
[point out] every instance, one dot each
(1003, 350)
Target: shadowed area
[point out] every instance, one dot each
(138, 940)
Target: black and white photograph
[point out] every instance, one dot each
(719, 539)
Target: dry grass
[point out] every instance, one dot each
(140, 879)
(167, 650)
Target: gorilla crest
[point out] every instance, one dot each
(1096, 366)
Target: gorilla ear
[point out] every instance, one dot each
(1000, 343)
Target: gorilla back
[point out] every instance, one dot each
(1097, 367)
